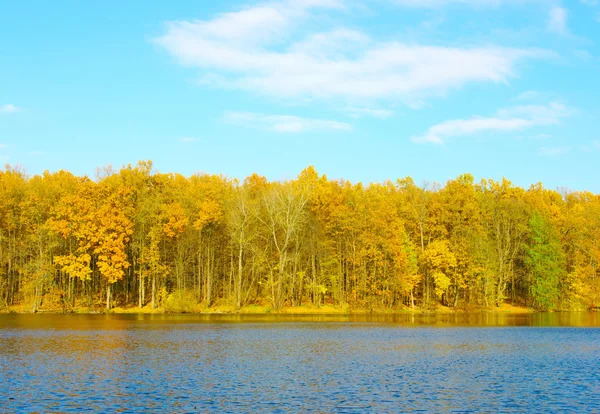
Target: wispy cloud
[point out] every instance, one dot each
(440, 3)
(557, 20)
(550, 114)
(553, 151)
(439, 133)
(329, 4)
(9, 109)
(584, 55)
(528, 96)
(593, 146)
(590, 2)
(251, 50)
(358, 112)
(283, 123)
(542, 136)
(509, 119)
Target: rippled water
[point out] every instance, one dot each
(175, 363)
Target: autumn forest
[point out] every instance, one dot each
(139, 238)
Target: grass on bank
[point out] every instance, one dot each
(188, 305)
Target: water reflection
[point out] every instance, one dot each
(51, 323)
(323, 363)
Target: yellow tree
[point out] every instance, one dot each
(146, 196)
(209, 192)
(505, 217)
(42, 193)
(414, 207)
(72, 218)
(461, 216)
(176, 221)
(113, 229)
(388, 257)
(12, 192)
(329, 240)
(158, 220)
(240, 218)
(581, 238)
(441, 262)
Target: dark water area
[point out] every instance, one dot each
(295, 363)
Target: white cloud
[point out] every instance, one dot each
(440, 3)
(283, 123)
(589, 2)
(475, 4)
(358, 112)
(528, 96)
(557, 20)
(330, 4)
(9, 109)
(550, 114)
(437, 134)
(509, 119)
(553, 151)
(596, 144)
(251, 50)
(333, 44)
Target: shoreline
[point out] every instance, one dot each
(503, 309)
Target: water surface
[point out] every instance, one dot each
(295, 363)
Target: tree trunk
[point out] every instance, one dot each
(153, 291)
(142, 298)
(209, 282)
(238, 287)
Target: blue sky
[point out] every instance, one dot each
(362, 90)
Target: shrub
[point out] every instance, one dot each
(180, 301)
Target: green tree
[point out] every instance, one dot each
(545, 261)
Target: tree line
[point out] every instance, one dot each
(137, 237)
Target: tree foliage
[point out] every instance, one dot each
(140, 237)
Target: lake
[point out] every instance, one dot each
(294, 363)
